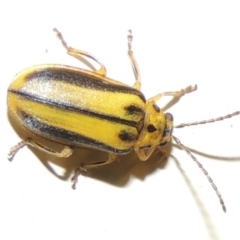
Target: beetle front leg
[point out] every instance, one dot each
(65, 153)
(176, 94)
(84, 167)
(145, 154)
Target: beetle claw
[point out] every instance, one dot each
(77, 172)
(74, 178)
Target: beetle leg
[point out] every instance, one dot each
(176, 94)
(65, 153)
(84, 167)
(145, 154)
(133, 61)
(111, 158)
(80, 55)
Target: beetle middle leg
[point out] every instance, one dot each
(133, 61)
(84, 167)
(80, 55)
(65, 153)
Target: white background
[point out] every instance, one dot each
(176, 43)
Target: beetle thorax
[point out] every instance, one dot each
(154, 130)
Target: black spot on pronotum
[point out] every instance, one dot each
(156, 108)
(127, 136)
(151, 128)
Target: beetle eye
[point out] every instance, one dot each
(167, 131)
(169, 116)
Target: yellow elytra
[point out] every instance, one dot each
(77, 108)
(70, 106)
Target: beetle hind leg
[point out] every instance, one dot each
(84, 167)
(65, 153)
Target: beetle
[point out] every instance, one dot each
(84, 108)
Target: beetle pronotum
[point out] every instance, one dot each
(71, 106)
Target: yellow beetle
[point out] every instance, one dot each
(77, 108)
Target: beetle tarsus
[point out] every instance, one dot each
(130, 38)
(76, 173)
(74, 178)
(15, 149)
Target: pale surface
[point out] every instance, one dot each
(176, 43)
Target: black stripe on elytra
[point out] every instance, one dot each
(127, 136)
(134, 110)
(67, 107)
(64, 136)
(81, 79)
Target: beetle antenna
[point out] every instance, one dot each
(60, 36)
(208, 121)
(203, 170)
